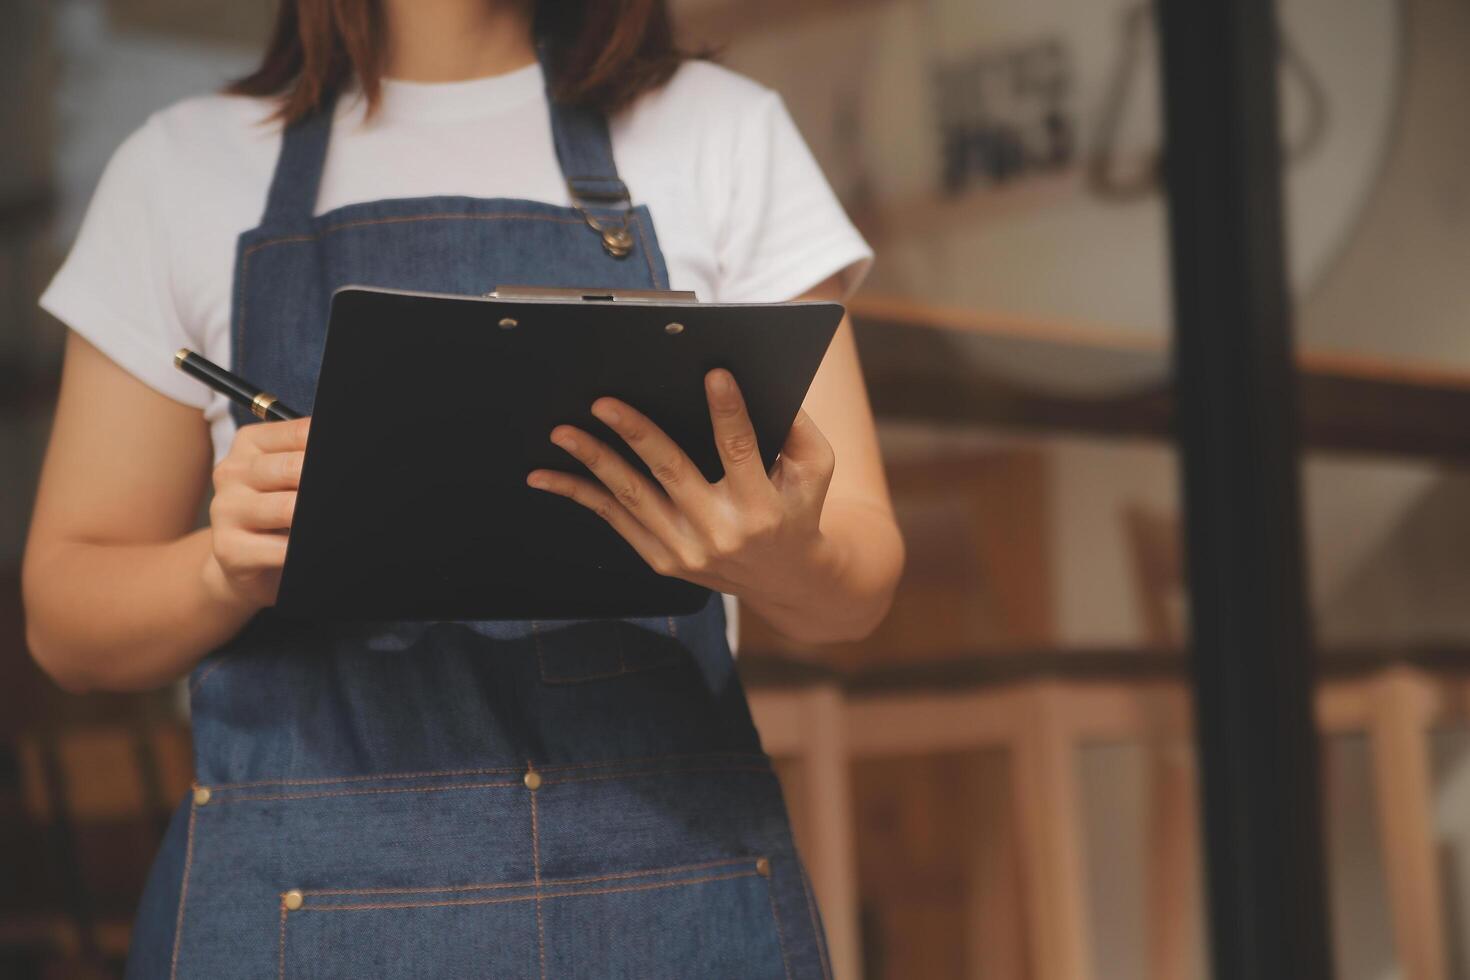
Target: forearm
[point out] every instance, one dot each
(848, 591)
(125, 616)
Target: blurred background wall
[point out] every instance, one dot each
(1022, 245)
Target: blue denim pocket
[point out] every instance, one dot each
(573, 651)
(710, 920)
(405, 933)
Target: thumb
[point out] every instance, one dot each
(805, 442)
(807, 452)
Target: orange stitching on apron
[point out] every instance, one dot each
(183, 894)
(406, 219)
(281, 956)
(364, 792)
(536, 870)
(780, 933)
(320, 780)
(283, 240)
(556, 883)
(562, 767)
(330, 229)
(496, 785)
(652, 886)
(457, 216)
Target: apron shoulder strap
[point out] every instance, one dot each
(298, 177)
(584, 150)
(583, 146)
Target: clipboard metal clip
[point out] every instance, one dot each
(593, 295)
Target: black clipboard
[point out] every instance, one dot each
(430, 410)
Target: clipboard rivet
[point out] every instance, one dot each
(507, 323)
(673, 328)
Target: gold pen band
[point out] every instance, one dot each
(261, 402)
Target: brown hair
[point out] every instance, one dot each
(602, 53)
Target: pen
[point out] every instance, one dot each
(263, 404)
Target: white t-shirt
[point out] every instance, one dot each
(741, 209)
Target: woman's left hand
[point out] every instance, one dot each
(750, 534)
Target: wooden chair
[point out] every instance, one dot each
(1039, 720)
(978, 582)
(1040, 706)
(972, 580)
(1394, 704)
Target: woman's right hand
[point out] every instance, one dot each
(254, 499)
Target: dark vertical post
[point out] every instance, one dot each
(1237, 429)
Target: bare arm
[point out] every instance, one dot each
(120, 591)
(857, 516)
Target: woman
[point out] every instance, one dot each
(443, 799)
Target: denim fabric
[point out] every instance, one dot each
(567, 799)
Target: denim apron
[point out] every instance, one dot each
(548, 800)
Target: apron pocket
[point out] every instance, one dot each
(354, 935)
(714, 920)
(574, 651)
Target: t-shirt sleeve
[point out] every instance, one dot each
(115, 287)
(784, 229)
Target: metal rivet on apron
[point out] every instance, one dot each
(201, 795)
(532, 780)
(763, 867)
(617, 241)
(507, 323)
(293, 899)
(672, 328)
